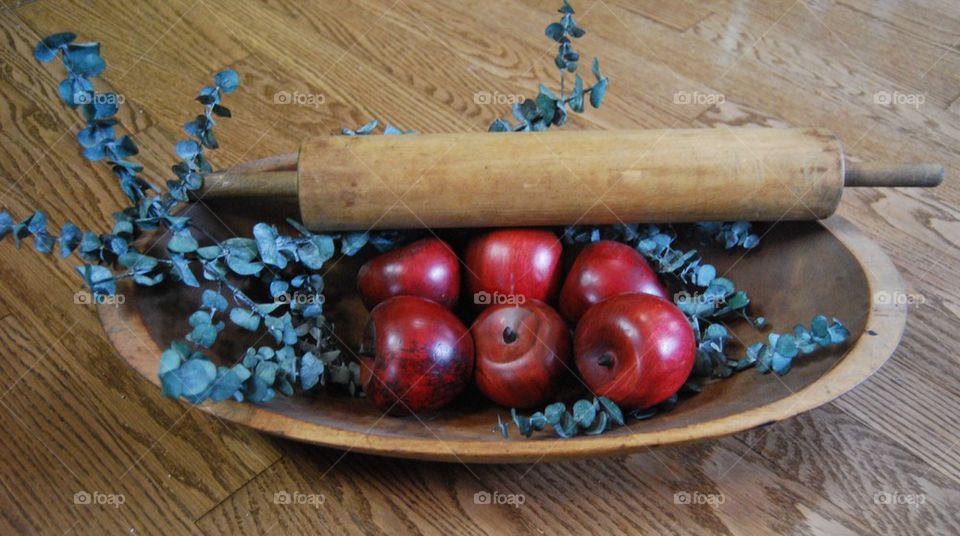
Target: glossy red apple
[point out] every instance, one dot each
(426, 268)
(522, 353)
(604, 269)
(416, 356)
(635, 349)
(513, 265)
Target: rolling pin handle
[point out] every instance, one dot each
(901, 176)
(250, 184)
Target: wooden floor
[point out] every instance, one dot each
(75, 419)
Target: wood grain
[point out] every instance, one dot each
(656, 176)
(419, 65)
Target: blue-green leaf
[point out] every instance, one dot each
(499, 125)
(37, 223)
(554, 412)
(266, 237)
(311, 370)
(188, 149)
(787, 346)
(84, 60)
(170, 385)
(182, 272)
(169, 360)
(245, 318)
(780, 364)
(46, 49)
(554, 31)
(137, 262)
(98, 279)
(352, 243)
(368, 128)
(576, 98)
(243, 267)
(212, 299)
(598, 92)
(228, 80)
(227, 383)
(584, 412)
(182, 242)
(199, 318)
(705, 275)
(204, 334)
(838, 332)
(6, 224)
(266, 371)
(259, 391)
(209, 253)
(196, 376)
(70, 237)
(611, 409)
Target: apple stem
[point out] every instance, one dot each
(605, 360)
(509, 336)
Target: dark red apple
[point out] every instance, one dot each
(635, 349)
(416, 356)
(522, 353)
(513, 265)
(426, 268)
(604, 269)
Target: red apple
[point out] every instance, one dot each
(604, 269)
(415, 356)
(635, 349)
(513, 265)
(522, 353)
(426, 268)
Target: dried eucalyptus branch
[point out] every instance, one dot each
(548, 109)
(304, 351)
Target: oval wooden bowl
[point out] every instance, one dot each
(800, 269)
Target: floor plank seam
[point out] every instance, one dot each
(199, 519)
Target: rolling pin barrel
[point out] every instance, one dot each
(562, 178)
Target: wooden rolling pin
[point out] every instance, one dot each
(563, 177)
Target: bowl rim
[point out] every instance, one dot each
(885, 324)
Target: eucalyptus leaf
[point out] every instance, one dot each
(183, 272)
(611, 409)
(243, 267)
(196, 375)
(182, 242)
(212, 299)
(226, 384)
(311, 370)
(6, 224)
(245, 318)
(554, 413)
(352, 243)
(499, 125)
(584, 412)
(169, 360)
(227, 80)
(598, 92)
(599, 426)
(266, 237)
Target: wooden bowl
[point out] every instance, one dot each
(800, 269)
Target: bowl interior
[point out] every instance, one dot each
(799, 270)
